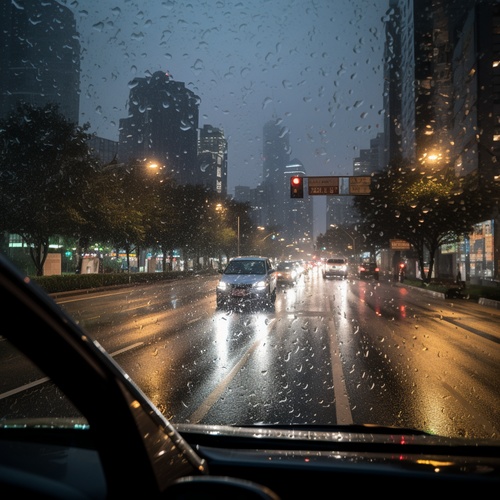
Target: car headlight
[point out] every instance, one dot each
(260, 285)
(222, 287)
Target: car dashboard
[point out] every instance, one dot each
(63, 463)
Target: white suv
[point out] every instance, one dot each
(335, 267)
(247, 281)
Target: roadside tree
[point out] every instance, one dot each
(427, 209)
(46, 169)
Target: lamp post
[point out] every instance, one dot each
(238, 235)
(221, 209)
(335, 226)
(261, 245)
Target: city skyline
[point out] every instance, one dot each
(318, 96)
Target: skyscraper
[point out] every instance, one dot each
(276, 151)
(212, 158)
(276, 156)
(162, 126)
(40, 56)
(292, 218)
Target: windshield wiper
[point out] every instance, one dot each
(351, 428)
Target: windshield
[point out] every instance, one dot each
(147, 145)
(246, 267)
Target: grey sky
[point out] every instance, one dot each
(315, 64)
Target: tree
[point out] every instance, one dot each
(45, 170)
(425, 209)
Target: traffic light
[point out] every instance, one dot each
(296, 187)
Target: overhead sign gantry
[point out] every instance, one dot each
(330, 185)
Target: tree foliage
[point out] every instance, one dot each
(52, 186)
(427, 209)
(45, 172)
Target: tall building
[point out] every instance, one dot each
(212, 159)
(475, 82)
(105, 150)
(162, 126)
(275, 150)
(362, 163)
(254, 197)
(447, 57)
(293, 218)
(40, 56)
(276, 156)
(393, 87)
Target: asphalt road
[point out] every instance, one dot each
(333, 352)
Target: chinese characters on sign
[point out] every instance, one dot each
(359, 185)
(323, 185)
(355, 185)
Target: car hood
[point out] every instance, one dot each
(343, 436)
(337, 446)
(242, 279)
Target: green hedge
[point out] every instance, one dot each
(70, 282)
(472, 292)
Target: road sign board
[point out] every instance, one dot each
(323, 185)
(359, 184)
(360, 179)
(359, 189)
(400, 245)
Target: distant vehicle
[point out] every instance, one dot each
(286, 273)
(369, 270)
(299, 267)
(247, 281)
(335, 268)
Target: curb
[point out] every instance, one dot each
(495, 304)
(433, 293)
(489, 303)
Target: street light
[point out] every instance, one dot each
(335, 226)
(220, 208)
(238, 235)
(262, 244)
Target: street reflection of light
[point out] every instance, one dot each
(262, 322)
(263, 356)
(402, 311)
(222, 333)
(437, 464)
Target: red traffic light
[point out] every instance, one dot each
(296, 187)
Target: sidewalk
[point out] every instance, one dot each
(495, 304)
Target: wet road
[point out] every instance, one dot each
(332, 352)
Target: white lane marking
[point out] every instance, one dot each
(46, 379)
(215, 395)
(342, 405)
(90, 296)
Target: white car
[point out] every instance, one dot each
(247, 281)
(335, 268)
